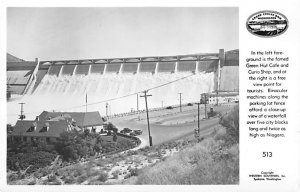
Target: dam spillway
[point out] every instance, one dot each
(63, 85)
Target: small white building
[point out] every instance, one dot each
(223, 97)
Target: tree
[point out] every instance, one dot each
(66, 145)
(98, 147)
(112, 127)
(41, 145)
(86, 132)
(74, 145)
(99, 140)
(115, 137)
(109, 132)
(9, 128)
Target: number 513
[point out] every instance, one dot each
(267, 154)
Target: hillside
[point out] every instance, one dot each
(11, 58)
(213, 159)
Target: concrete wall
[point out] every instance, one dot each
(19, 74)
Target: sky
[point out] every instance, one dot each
(95, 33)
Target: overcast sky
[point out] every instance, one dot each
(82, 33)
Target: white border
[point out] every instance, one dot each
(248, 150)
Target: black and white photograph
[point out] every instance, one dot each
(122, 96)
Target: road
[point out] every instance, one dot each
(167, 125)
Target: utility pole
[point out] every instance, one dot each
(137, 102)
(22, 116)
(145, 95)
(198, 115)
(86, 103)
(180, 101)
(217, 97)
(162, 104)
(106, 106)
(205, 105)
(197, 130)
(220, 64)
(110, 110)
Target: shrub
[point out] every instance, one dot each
(74, 145)
(69, 179)
(127, 176)
(38, 174)
(115, 137)
(21, 161)
(112, 127)
(52, 178)
(86, 132)
(130, 153)
(12, 177)
(133, 171)
(109, 133)
(33, 182)
(103, 176)
(9, 128)
(78, 171)
(81, 179)
(231, 123)
(115, 174)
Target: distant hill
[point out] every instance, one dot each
(11, 58)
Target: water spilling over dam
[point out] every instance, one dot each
(114, 85)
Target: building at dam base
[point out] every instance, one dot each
(112, 85)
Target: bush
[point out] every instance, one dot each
(231, 123)
(12, 177)
(81, 179)
(115, 137)
(21, 161)
(115, 174)
(74, 145)
(133, 171)
(9, 128)
(127, 176)
(33, 182)
(86, 132)
(69, 179)
(109, 133)
(112, 127)
(103, 176)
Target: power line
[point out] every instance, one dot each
(121, 97)
(124, 96)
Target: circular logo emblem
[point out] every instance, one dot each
(267, 23)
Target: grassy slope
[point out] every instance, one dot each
(213, 161)
(196, 165)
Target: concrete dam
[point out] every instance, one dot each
(114, 85)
